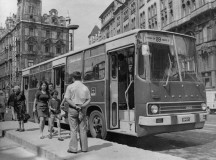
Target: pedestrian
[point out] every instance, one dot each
(78, 97)
(11, 104)
(55, 114)
(19, 107)
(41, 105)
(51, 88)
(2, 105)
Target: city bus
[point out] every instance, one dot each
(142, 82)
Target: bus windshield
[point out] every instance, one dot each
(167, 57)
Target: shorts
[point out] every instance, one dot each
(53, 116)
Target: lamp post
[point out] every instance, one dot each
(72, 27)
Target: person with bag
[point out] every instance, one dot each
(2, 105)
(41, 105)
(20, 107)
(78, 97)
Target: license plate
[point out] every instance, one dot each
(186, 119)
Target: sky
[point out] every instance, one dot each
(84, 13)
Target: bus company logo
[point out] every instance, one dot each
(158, 39)
(188, 107)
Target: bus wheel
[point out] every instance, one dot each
(97, 125)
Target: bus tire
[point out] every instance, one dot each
(97, 125)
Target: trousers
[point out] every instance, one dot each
(77, 126)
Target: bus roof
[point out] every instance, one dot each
(103, 42)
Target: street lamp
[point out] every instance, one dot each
(72, 27)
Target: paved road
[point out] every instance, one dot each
(198, 144)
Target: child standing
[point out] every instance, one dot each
(55, 113)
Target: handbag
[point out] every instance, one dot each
(26, 117)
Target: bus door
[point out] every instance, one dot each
(121, 75)
(114, 119)
(59, 73)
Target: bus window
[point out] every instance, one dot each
(34, 80)
(46, 76)
(94, 68)
(26, 82)
(74, 63)
(114, 68)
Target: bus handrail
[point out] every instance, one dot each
(126, 98)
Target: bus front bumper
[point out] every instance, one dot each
(173, 119)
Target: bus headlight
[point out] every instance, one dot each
(154, 109)
(204, 106)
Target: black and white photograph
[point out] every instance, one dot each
(108, 79)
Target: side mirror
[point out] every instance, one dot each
(145, 50)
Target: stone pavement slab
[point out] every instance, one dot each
(57, 150)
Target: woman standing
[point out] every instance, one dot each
(41, 104)
(20, 107)
(11, 104)
(2, 105)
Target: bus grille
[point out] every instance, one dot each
(180, 108)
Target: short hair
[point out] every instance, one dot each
(17, 87)
(76, 75)
(54, 92)
(50, 84)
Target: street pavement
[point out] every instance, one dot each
(10, 150)
(57, 150)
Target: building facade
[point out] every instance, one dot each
(193, 17)
(95, 35)
(30, 38)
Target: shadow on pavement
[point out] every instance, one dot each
(98, 147)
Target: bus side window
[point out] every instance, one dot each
(114, 66)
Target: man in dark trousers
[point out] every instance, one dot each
(78, 97)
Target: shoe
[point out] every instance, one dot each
(60, 139)
(71, 151)
(50, 136)
(22, 130)
(42, 137)
(18, 129)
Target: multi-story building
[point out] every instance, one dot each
(30, 38)
(194, 17)
(95, 35)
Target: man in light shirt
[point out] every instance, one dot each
(78, 97)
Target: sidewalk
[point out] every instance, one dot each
(53, 149)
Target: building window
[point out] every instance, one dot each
(31, 9)
(142, 20)
(30, 63)
(133, 7)
(152, 12)
(30, 47)
(58, 49)
(126, 16)
(31, 31)
(58, 35)
(171, 17)
(163, 13)
(47, 48)
(48, 34)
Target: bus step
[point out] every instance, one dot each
(127, 125)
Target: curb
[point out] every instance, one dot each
(57, 150)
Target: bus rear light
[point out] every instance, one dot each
(204, 106)
(154, 109)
